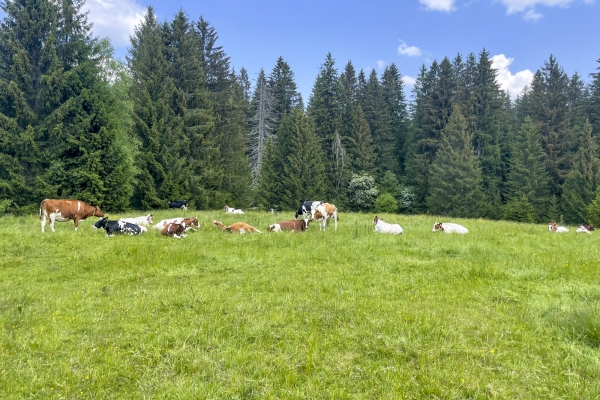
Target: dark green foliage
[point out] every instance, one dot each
(283, 88)
(593, 209)
(361, 149)
(583, 178)
(58, 116)
(519, 209)
(386, 203)
(455, 181)
(594, 101)
(527, 175)
(268, 190)
(395, 100)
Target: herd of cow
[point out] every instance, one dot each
(77, 210)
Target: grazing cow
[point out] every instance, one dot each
(238, 227)
(449, 227)
(112, 227)
(175, 230)
(307, 210)
(384, 227)
(189, 222)
(66, 210)
(583, 229)
(323, 213)
(552, 227)
(144, 220)
(295, 225)
(230, 210)
(178, 204)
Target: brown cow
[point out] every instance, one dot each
(295, 225)
(66, 210)
(323, 213)
(175, 230)
(238, 227)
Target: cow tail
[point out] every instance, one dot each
(41, 205)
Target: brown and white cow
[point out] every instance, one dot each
(191, 222)
(295, 225)
(323, 213)
(238, 227)
(66, 210)
(175, 230)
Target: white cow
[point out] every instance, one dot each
(558, 229)
(583, 229)
(144, 220)
(449, 227)
(230, 210)
(384, 227)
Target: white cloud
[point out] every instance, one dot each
(115, 19)
(514, 84)
(410, 51)
(528, 6)
(381, 64)
(409, 80)
(438, 5)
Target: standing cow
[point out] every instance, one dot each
(66, 210)
(178, 204)
(307, 210)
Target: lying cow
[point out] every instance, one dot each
(552, 227)
(583, 229)
(295, 225)
(323, 213)
(178, 204)
(230, 210)
(449, 227)
(175, 230)
(144, 220)
(238, 227)
(384, 227)
(307, 210)
(66, 210)
(112, 227)
(189, 222)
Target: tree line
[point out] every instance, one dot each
(176, 121)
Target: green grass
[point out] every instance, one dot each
(508, 311)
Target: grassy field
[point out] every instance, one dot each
(507, 311)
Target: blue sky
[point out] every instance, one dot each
(519, 34)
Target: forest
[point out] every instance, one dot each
(175, 121)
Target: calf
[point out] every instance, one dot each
(175, 230)
(384, 227)
(323, 213)
(238, 227)
(144, 220)
(178, 204)
(112, 227)
(295, 225)
(449, 227)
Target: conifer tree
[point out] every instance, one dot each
(268, 187)
(594, 102)
(583, 178)
(303, 172)
(527, 175)
(362, 152)
(283, 87)
(395, 100)
(455, 181)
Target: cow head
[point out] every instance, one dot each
(377, 219)
(149, 218)
(97, 212)
(101, 223)
(271, 227)
(438, 227)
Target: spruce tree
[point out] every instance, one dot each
(455, 181)
(583, 178)
(361, 149)
(283, 87)
(303, 171)
(594, 101)
(267, 193)
(527, 175)
(395, 101)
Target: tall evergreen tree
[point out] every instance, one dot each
(361, 150)
(282, 85)
(456, 180)
(57, 113)
(395, 100)
(268, 190)
(583, 178)
(303, 171)
(527, 176)
(594, 101)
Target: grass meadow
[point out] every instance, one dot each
(508, 311)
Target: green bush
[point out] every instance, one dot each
(386, 203)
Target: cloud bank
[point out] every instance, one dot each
(115, 19)
(514, 84)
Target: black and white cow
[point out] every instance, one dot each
(113, 227)
(307, 210)
(178, 204)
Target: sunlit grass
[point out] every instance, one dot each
(506, 311)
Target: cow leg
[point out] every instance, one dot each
(52, 219)
(43, 221)
(76, 221)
